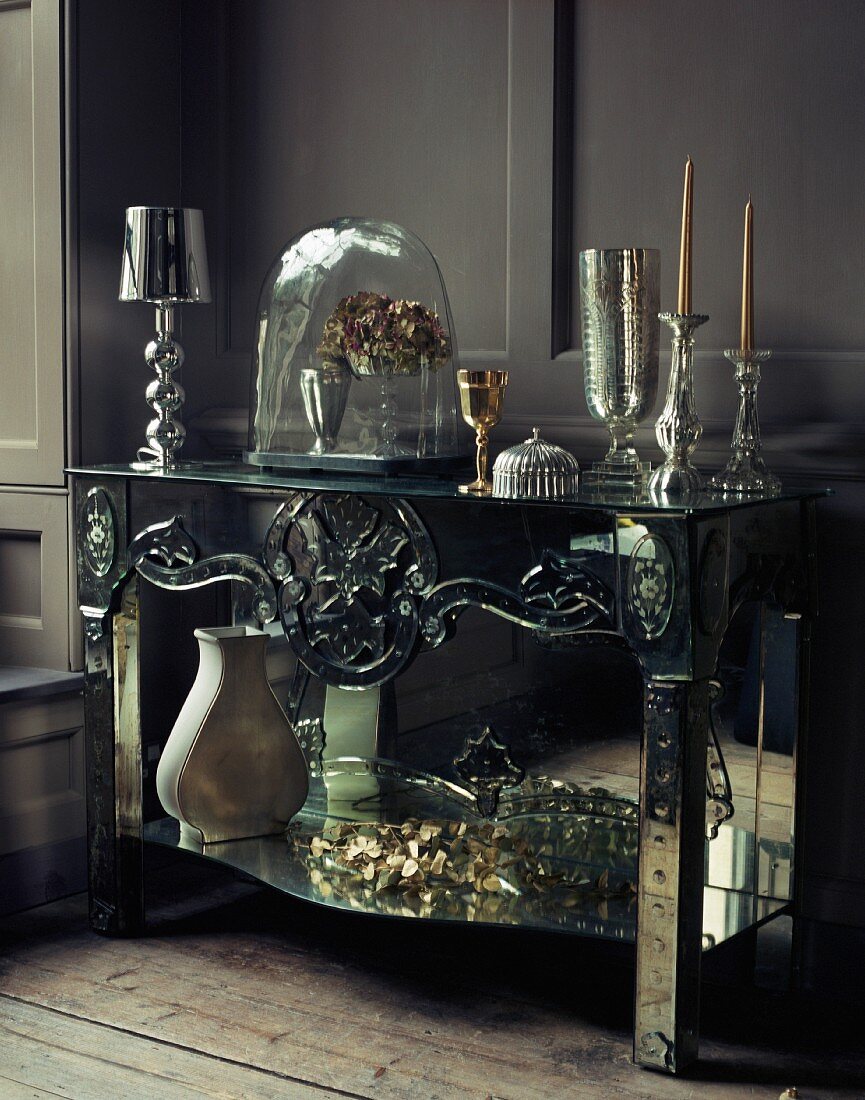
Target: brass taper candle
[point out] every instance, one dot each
(684, 302)
(746, 332)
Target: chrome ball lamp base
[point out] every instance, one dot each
(165, 433)
(678, 428)
(746, 471)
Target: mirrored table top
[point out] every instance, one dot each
(238, 474)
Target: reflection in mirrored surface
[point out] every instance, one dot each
(580, 898)
(756, 721)
(577, 736)
(575, 733)
(566, 711)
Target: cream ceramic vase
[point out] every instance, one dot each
(232, 766)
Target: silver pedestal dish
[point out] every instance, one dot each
(536, 469)
(619, 302)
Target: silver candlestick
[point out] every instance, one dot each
(678, 428)
(746, 471)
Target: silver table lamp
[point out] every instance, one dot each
(164, 263)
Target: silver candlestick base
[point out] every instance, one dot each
(615, 476)
(746, 471)
(678, 428)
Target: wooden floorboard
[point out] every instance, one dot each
(46, 1053)
(260, 996)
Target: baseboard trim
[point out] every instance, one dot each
(35, 876)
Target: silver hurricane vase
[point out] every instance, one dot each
(619, 301)
(746, 471)
(678, 428)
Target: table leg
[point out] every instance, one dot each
(671, 873)
(803, 680)
(112, 721)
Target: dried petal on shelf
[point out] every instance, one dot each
(473, 871)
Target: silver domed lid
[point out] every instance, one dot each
(535, 468)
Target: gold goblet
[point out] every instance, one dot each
(481, 396)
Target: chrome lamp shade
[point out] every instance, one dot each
(164, 263)
(164, 256)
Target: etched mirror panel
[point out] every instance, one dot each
(755, 719)
(518, 713)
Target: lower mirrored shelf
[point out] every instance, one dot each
(572, 873)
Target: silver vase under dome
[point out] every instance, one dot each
(324, 388)
(619, 303)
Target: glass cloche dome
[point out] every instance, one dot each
(355, 354)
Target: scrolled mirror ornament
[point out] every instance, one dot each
(172, 544)
(354, 574)
(555, 598)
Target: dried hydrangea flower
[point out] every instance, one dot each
(366, 329)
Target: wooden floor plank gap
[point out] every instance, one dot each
(183, 1047)
(20, 1090)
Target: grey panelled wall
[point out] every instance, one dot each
(768, 98)
(123, 149)
(447, 130)
(482, 124)
(389, 151)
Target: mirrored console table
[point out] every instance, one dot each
(587, 715)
